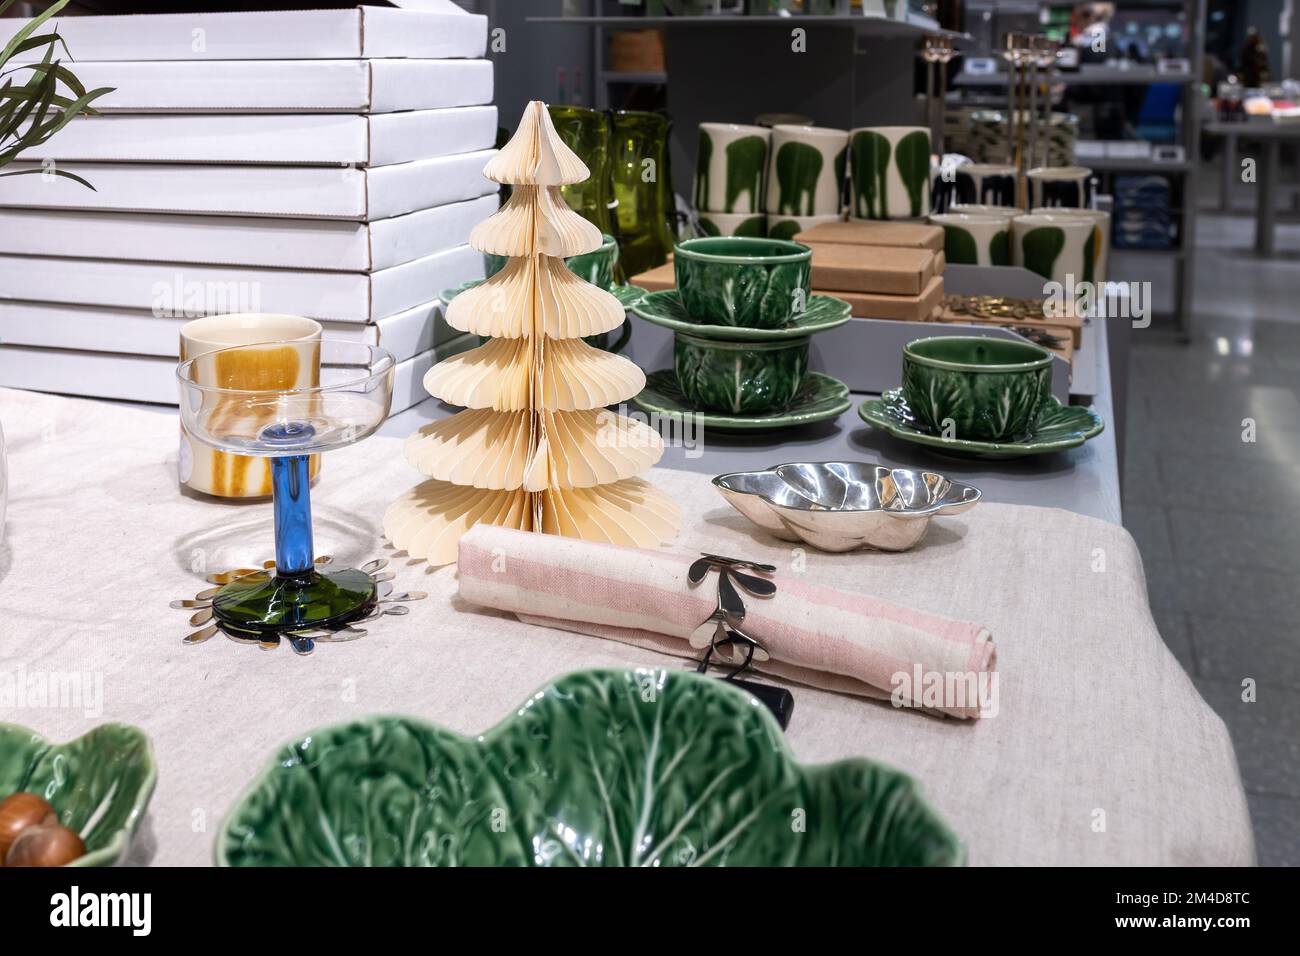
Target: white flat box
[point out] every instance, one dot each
(1128, 149)
(322, 192)
(439, 30)
(90, 328)
(286, 138)
(149, 379)
(287, 86)
(229, 240)
(408, 379)
(177, 290)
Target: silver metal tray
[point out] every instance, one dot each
(845, 505)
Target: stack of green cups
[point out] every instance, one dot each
(730, 165)
(728, 282)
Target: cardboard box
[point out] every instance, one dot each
(312, 191)
(228, 240)
(882, 270)
(906, 235)
(636, 51)
(439, 30)
(908, 308)
(150, 379)
(915, 308)
(177, 290)
(294, 138)
(657, 279)
(89, 328)
(287, 86)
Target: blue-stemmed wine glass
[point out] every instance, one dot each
(288, 425)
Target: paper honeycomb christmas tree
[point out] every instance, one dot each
(535, 447)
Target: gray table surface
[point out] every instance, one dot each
(1084, 480)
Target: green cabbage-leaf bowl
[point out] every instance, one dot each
(98, 784)
(600, 768)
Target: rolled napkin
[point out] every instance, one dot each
(818, 636)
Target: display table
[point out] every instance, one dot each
(1270, 136)
(1101, 751)
(1084, 480)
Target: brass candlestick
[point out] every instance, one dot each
(1011, 46)
(937, 52)
(1045, 51)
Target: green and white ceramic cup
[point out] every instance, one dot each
(730, 162)
(974, 388)
(730, 224)
(739, 378)
(974, 240)
(740, 281)
(986, 183)
(1059, 248)
(1060, 186)
(805, 171)
(890, 169)
(1100, 234)
(787, 227)
(987, 209)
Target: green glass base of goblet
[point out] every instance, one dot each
(265, 603)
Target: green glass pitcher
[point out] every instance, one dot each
(586, 132)
(645, 213)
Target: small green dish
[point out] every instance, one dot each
(820, 397)
(739, 378)
(600, 768)
(103, 779)
(1058, 427)
(665, 308)
(596, 267)
(976, 388)
(743, 281)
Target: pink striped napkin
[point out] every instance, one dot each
(818, 636)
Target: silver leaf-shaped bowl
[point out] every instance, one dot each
(844, 505)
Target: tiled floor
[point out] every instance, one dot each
(1218, 517)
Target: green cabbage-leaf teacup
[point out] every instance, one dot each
(974, 388)
(596, 267)
(743, 281)
(739, 378)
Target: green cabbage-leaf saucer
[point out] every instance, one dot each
(98, 784)
(665, 308)
(1058, 427)
(820, 397)
(600, 768)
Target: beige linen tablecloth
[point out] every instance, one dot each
(1102, 751)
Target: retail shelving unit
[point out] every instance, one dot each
(859, 70)
(1183, 173)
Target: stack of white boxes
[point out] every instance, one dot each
(325, 163)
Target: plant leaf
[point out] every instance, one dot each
(24, 32)
(53, 171)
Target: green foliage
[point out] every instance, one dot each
(38, 99)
